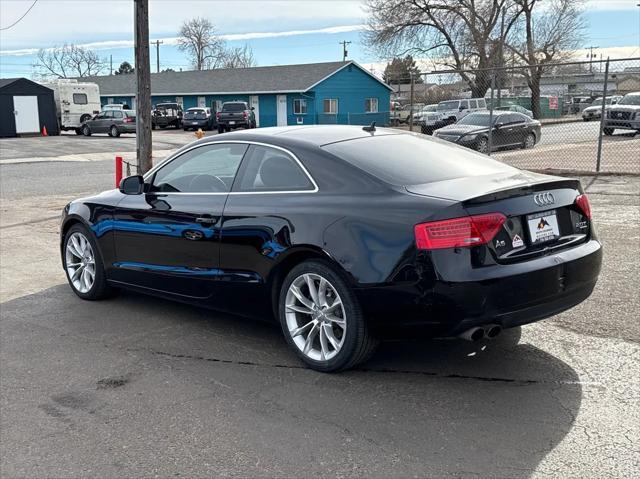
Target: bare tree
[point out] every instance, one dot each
(458, 34)
(69, 61)
(199, 40)
(549, 36)
(238, 57)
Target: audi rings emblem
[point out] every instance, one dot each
(544, 199)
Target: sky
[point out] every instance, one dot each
(279, 32)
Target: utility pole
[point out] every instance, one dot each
(143, 86)
(110, 64)
(411, 103)
(591, 56)
(157, 43)
(501, 59)
(344, 50)
(602, 115)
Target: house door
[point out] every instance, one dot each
(25, 108)
(282, 110)
(255, 104)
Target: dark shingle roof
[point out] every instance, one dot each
(273, 79)
(7, 81)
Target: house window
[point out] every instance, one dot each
(331, 106)
(299, 107)
(371, 105)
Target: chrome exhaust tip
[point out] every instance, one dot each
(493, 330)
(472, 334)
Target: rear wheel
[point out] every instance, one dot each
(220, 129)
(83, 264)
(529, 141)
(86, 131)
(322, 320)
(113, 131)
(608, 131)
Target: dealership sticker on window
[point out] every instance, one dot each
(517, 242)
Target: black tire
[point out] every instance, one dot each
(100, 288)
(359, 343)
(185, 129)
(529, 141)
(114, 132)
(608, 131)
(86, 131)
(153, 126)
(220, 129)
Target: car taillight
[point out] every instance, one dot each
(217, 115)
(582, 202)
(244, 115)
(128, 120)
(458, 232)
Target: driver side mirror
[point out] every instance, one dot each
(132, 185)
(499, 125)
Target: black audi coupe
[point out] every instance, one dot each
(344, 234)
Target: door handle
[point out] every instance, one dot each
(206, 220)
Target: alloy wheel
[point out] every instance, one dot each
(315, 317)
(530, 141)
(80, 262)
(483, 145)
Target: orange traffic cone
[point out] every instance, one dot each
(44, 131)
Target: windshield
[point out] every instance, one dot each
(477, 119)
(630, 100)
(448, 105)
(233, 107)
(411, 159)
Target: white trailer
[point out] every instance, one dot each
(75, 102)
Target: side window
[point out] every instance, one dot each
(464, 104)
(207, 169)
(117, 114)
(107, 114)
(482, 103)
(473, 104)
(371, 105)
(80, 98)
(271, 169)
(513, 118)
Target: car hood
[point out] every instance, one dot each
(630, 108)
(596, 108)
(465, 188)
(458, 129)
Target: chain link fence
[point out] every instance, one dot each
(588, 113)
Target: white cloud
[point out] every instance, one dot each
(611, 4)
(111, 44)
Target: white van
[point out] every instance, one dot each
(75, 102)
(451, 111)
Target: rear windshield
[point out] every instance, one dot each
(408, 159)
(448, 105)
(233, 107)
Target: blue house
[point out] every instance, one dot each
(315, 93)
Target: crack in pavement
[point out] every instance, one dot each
(520, 382)
(25, 223)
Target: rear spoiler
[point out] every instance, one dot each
(525, 190)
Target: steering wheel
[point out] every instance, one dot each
(207, 183)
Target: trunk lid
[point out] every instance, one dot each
(541, 210)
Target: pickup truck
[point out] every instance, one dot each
(166, 114)
(235, 114)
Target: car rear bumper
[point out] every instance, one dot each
(446, 301)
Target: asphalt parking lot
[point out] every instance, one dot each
(140, 387)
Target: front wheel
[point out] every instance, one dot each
(83, 264)
(529, 141)
(322, 319)
(483, 145)
(113, 131)
(86, 131)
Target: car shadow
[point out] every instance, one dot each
(418, 408)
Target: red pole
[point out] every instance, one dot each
(118, 170)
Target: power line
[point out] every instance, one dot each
(23, 15)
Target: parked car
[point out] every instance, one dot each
(516, 108)
(579, 103)
(283, 224)
(509, 129)
(166, 114)
(395, 113)
(195, 118)
(408, 110)
(451, 111)
(419, 115)
(235, 114)
(594, 111)
(625, 115)
(112, 122)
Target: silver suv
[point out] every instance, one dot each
(625, 115)
(451, 111)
